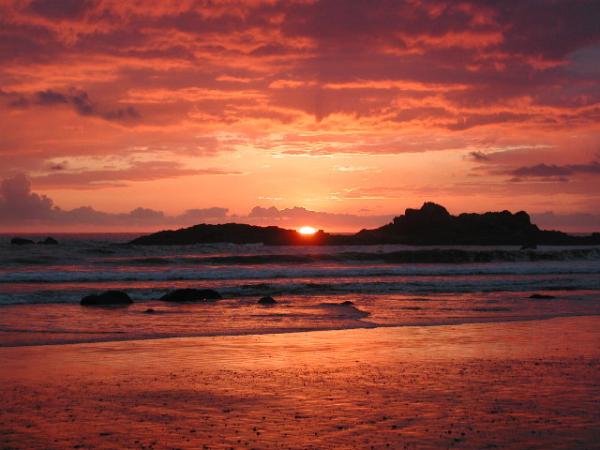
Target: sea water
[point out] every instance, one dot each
(389, 285)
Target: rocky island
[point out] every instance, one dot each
(431, 224)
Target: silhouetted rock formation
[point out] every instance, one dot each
(191, 295)
(345, 309)
(541, 297)
(107, 298)
(21, 241)
(267, 301)
(234, 233)
(432, 224)
(48, 241)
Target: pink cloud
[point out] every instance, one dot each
(94, 80)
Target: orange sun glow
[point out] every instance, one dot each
(306, 230)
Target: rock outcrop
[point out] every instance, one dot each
(48, 241)
(267, 300)
(234, 233)
(432, 224)
(108, 298)
(542, 297)
(21, 241)
(191, 295)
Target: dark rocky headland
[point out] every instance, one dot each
(22, 241)
(432, 224)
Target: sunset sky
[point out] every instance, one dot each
(135, 115)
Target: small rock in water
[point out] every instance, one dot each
(191, 295)
(267, 300)
(150, 311)
(21, 241)
(107, 298)
(346, 308)
(542, 296)
(48, 241)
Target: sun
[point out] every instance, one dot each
(306, 230)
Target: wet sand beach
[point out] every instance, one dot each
(528, 384)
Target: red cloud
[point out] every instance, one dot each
(103, 78)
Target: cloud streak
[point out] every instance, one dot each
(137, 171)
(552, 170)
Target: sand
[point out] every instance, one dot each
(533, 384)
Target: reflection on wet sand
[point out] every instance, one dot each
(36, 324)
(499, 385)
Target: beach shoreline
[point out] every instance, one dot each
(58, 324)
(502, 384)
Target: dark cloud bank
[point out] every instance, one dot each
(22, 209)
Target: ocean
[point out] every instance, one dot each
(389, 285)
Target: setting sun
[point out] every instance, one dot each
(306, 230)
(160, 164)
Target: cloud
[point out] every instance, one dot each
(551, 170)
(19, 207)
(17, 202)
(58, 166)
(296, 216)
(534, 30)
(479, 156)
(542, 170)
(198, 215)
(489, 49)
(22, 209)
(50, 97)
(135, 171)
(574, 222)
(475, 120)
(78, 100)
(61, 9)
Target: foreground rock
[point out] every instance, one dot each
(48, 241)
(106, 299)
(432, 224)
(267, 300)
(345, 309)
(191, 295)
(21, 241)
(345, 304)
(542, 297)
